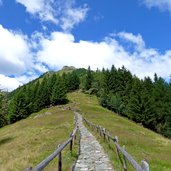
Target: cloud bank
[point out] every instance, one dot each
(24, 58)
(61, 49)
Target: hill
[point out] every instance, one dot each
(140, 142)
(29, 141)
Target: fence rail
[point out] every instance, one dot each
(119, 150)
(57, 152)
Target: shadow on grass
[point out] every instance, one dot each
(5, 140)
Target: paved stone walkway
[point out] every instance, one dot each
(92, 156)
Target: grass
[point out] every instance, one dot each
(29, 141)
(140, 142)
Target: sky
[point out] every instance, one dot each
(37, 36)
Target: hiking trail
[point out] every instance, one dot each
(92, 156)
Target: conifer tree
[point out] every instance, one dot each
(58, 92)
(3, 109)
(88, 79)
(18, 108)
(73, 81)
(50, 83)
(43, 99)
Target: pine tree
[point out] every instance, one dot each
(50, 83)
(3, 109)
(43, 99)
(18, 108)
(35, 102)
(116, 104)
(88, 79)
(58, 92)
(73, 81)
(140, 107)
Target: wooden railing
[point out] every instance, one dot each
(57, 152)
(119, 150)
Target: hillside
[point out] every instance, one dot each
(140, 142)
(30, 140)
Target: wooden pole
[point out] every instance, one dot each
(59, 160)
(104, 133)
(117, 151)
(100, 130)
(108, 134)
(71, 142)
(124, 161)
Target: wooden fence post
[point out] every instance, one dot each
(124, 161)
(59, 160)
(108, 134)
(104, 133)
(117, 151)
(145, 165)
(71, 143)
(100, 131)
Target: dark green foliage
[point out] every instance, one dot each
(116, 103)
(59, 92)
(50, 89)
(18, 108)
(140, 107)
(3, 109)
(143, 101)
(71, 81)
(43, 97)
(88, 79)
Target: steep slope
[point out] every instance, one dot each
(31, 140)
(140, 142)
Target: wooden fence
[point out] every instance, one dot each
(57, 152)
(122, 154)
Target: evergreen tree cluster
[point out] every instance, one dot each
(3, 108)
(49, 89)
(144, 101)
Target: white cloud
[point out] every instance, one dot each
(61, 49)
(72, 17)
(137, 40)
(161, 4)
(63, 13)
(17, 59)
(14, 52)
(40, 8)
(11, 83)
(24, 58)
(7, 83)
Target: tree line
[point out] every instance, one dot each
(145, 101)
(49, 89)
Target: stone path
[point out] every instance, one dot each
(92, 156)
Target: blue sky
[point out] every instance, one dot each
(41, 35)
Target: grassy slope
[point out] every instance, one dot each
(29, 141)
(141, 143)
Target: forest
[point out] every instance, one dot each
(145, 101)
